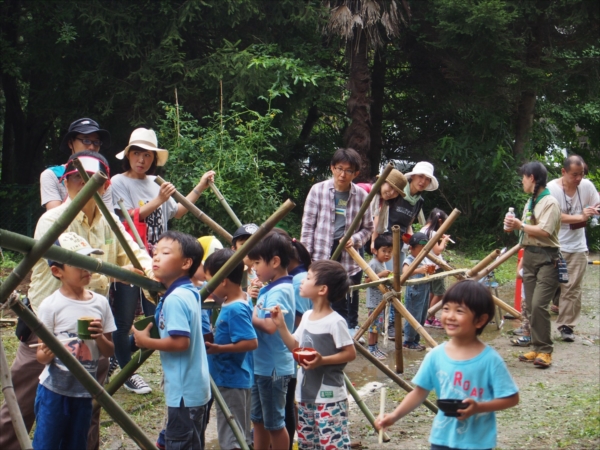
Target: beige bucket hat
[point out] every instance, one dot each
(146, 139)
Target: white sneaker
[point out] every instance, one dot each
(353, 332)
(136, 384)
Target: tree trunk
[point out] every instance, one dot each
(377, 91)
(358, 134)
(299, 149)
(524, 123)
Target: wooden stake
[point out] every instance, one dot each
(396, 249)
(381, 411)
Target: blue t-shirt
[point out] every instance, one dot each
(233, 370)
(302, 304)
(272, 355)
(186, 372)
(482, 378)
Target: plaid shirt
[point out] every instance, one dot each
(318, 222)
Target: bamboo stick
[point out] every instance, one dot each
(507, 255)
(361, 212)
(228, 415)
(11, 401)
(110, 219)
(435, 276)
(24, 244)
(196, 212)
(132, 227)
(362, 405)
(381, 411)
(390, 373)
(483, 263)
(224, 203)
(386, 281)
(396, 249)
(49, 238)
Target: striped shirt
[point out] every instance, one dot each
(318, 222)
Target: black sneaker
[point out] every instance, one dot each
(566, 333)
(136, 384)
(114, 365)
(391, 332)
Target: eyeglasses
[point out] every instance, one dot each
(85, 141)
(347, 172)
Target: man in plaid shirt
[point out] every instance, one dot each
(330, 208)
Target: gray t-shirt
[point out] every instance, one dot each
(51, 189)
(341, 203)
(136, 193)
(374, 295)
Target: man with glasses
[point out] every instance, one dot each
(330, 208)
(83, 134)
(578, 200)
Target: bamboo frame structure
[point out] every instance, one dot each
(132, 227)
(196, 212)
(396, 249)
(224, 203)
(385, 281)
(507, 255)
(362, 405)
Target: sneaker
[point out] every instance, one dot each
(436, 324)
(136, 384)
(377, 354)
(543, 360)
(413, 346)
(566, 333)
(528, 357)
(113, 365)
(429, 323)
(521, 331)
(353, 332)
(161, 443)
(521, 341)
(391, 332)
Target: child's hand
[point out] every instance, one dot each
(141, 336)
(318, 361)
(95, 328)
(469, 411)
(277, 317)
(212, 349)
(384, 274)
(384, 422)
(44, 348)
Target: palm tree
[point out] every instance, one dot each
(364, 25)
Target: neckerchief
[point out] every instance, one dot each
(412, 199)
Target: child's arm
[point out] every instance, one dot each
(103, 340)
(421, 270)
(409, 404)
(265, 325)
(44, 355)
(384, 273)
(168, 344)
(496, 404)
(440, 246)
(246, 345)
(279, 321)
(346, 354)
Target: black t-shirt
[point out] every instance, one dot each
(402, 213)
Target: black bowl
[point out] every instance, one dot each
(450, 406)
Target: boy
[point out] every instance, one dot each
(417, 296)
(230, 357)
(320, 390)
(330, 208)
(63, 406)
(463, 368)
(182, 351)
(273, 363)
(382, 254)
(250, 283)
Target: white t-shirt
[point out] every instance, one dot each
(52, 190)
(59, 314)
(573, 241)
(328, 335)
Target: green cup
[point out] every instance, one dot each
(83, 323)
(143, 323)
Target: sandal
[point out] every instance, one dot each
(521, 331)
(522, 341)
(413, 346)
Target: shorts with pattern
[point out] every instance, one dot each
(323, 425)
(378, 324)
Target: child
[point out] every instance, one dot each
(438, 287)
(382, 254)
(273, 364)
(230, 357)
(463, 368)
(321, 391)
(250, 283)
(63, 406)
(182, 351)
(417, 296)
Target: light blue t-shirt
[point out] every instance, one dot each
(482, 378)
(272, 355)
(302, 304)
(186, 372)
(233, 370)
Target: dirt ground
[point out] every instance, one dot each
(559, 408)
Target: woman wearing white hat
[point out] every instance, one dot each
(154, 206)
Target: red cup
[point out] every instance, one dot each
(303, 355)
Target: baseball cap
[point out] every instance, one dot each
(245, 230)
(210, 244)
(75, 243)
(418, 239)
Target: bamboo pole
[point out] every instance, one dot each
(132, 227)
(396, 249)
(24, 244)
(386, 281)
(361, 212)
(110, 219)
(362, 405)
(435, 276)
(390, 373)
(11, 401)
(507, 255)
(483, 263)
(228, 415)
(224, 203)
(196, 212)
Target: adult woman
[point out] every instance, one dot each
(155, 206)
(539, 229)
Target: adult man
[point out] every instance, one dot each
(330, 208)
(578, 201)
(90, 224)
(84, 134)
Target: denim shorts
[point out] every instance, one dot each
(268, 401)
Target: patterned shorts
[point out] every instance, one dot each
(378, 324)
(323, 426)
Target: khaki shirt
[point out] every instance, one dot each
(99, 235)
(547, 217)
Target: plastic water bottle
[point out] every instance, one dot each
(510, 213)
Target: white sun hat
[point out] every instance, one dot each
(146, 139)
(424, 168)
